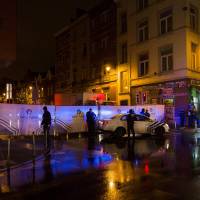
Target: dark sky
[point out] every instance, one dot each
(37, 21)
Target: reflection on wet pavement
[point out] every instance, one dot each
(141, 166)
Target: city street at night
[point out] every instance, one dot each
(100, 100)
(157, 168)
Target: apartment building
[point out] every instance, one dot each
(163, 63)
(103, 58)
(72, 61)
(86, 56)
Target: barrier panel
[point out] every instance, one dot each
(18, 119)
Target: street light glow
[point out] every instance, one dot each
(108, 68)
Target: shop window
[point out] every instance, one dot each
(193, 18)
(166, 22)
(143, 31)
(194, 56)
(143, 64)
(166, 59)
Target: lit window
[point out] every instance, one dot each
(143, 64)
(166, 22)
(144, 97)
(143, 31)
(193, 18)
(166, 59)
(124, 82)
(194, 56)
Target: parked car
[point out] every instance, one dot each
(142, 125)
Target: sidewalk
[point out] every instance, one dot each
(186, 130)
(16, 150)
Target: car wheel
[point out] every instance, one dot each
(119, 132)
(160, 131)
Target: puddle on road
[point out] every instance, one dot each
(123, 160)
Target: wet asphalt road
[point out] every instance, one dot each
(104, 169)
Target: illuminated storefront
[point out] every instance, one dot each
(175, 95)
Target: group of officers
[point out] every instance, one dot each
(91, 122)
(131, 117)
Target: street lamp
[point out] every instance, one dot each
(30, 87)
(108, 67)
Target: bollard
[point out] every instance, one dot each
(175, 125)
(46, 145)
(8, 153)
(67, 137)
(195, 124)
(33, 144)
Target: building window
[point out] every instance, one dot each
(93, 47)
(104, 43)
(123, 23)
(144, 97)
(143, 64)
(93, 23)
(194, 56)
(124, 82)
(141, 4)
(104, 17)
(123, 53)
(143, 32)
(137, 98)
(166, 22)
(193, 18)
(84, 50)
(166, 59)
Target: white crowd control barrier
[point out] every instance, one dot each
(25, 119)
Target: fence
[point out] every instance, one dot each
(17, 119)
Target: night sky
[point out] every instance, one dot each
(37, 21)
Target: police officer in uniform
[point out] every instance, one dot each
(130, 123)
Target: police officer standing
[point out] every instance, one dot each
(130, 123)
(46, 123)
(91, 123)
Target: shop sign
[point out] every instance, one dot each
(181, 84)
